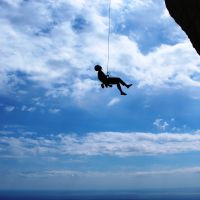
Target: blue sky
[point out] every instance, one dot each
(60, 130)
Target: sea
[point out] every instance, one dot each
(102, 195)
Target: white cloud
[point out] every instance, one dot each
(28, 109)
(12, 3)
(81, 88)
(165, 14)
(31, 109)
(9, 108)
(189, 170)
(54, 110)
(105, 143)
(129, 173)
(38, 102)
(113, 101)
(161, 124)
(24, 107)
(57, 92)
(4, 132)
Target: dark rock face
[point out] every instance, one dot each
(186, 13)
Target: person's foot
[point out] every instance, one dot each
(102, 85)
(129, 85)
(123, 93)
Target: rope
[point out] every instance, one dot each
(108, 47)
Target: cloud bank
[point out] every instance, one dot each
(74, 173)
(104, 143)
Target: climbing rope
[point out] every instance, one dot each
(108, 47)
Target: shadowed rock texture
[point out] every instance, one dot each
(186, 13)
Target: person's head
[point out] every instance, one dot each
(97, 68)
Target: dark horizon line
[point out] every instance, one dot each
(103, 190)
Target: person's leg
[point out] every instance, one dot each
(113, 80)
(120, 89)
(124, 84)
(116, 80)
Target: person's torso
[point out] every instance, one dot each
(102, 77)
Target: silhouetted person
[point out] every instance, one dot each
(109, 81)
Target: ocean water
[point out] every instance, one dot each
(100, 195)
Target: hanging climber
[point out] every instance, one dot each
(108, 81)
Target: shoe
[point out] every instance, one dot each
(102, 85)
(123, 93)
(128, 86)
